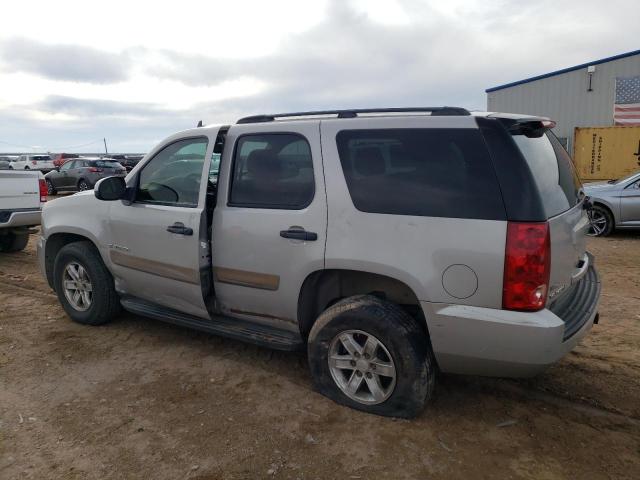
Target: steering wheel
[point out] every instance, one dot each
(160, 187)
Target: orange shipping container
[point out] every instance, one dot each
(602, 153)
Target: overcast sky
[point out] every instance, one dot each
(72, 72)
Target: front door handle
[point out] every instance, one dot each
(180, 229)
(299, 234)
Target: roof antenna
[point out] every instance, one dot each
(199, 124)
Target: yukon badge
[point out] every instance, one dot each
(118, 247)
(555, 290)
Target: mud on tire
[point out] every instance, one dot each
(406, 342)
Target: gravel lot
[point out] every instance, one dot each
(141, 399)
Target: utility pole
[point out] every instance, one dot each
(105, 146)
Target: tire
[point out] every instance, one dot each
(50, 188)
(27, 168)
(104, 303)
(83, 185)
(602, 222)
(405, 346)
(13, 242)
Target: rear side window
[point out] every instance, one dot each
(107, 164)
(552, 170)
(421, 172)
(272, 171)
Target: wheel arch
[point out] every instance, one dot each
(323, 288)
(609, 208)
(55, 242)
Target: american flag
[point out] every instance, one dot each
(626, 110)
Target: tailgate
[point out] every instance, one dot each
(569, 260)
(562, 198)
(19, 190)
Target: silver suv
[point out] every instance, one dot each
(389, 243)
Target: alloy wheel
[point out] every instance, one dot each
(362, 367)
(77, 286)
(598, 222)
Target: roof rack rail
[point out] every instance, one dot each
(353, 113)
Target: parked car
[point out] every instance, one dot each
(41, 162)
(5, 163)
(616, 204)
(388, 243)
(128, 161)
(81, 174)
(22, 195)
(60, 158)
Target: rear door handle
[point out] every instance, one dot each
(180, 229)
(299, 234)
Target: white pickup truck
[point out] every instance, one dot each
(22, 194)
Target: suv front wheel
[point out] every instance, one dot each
(601, 221)
(84, 286)
(371, 355)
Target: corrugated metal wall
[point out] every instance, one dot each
(565, 98)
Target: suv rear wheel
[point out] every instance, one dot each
(371, 355)
(83, 185)
(84, 285)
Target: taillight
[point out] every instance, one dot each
(95, 170)
(43, 190)
(527, 264)
(33, 162)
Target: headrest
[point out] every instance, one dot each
(262, 163)
(369, 161)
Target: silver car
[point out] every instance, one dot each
(616, 204)
(387, 243)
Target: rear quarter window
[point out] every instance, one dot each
(420, 172)
(552, 170)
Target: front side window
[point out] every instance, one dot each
(173, 175)
(437, 172)
(272, 171)
(67, 165)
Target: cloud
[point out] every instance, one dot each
(63, 62)
(91, 108)
(434, 53)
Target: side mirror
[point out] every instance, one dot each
(110, 188)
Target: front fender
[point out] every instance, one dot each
(80, 214)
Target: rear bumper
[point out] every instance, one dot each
(484, 341)
(20, 218)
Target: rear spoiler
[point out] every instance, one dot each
(531, 127)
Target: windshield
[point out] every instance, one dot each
(215, 166)
(617, 181)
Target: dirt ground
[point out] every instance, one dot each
(141, 399)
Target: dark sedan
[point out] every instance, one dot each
(81, 174)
